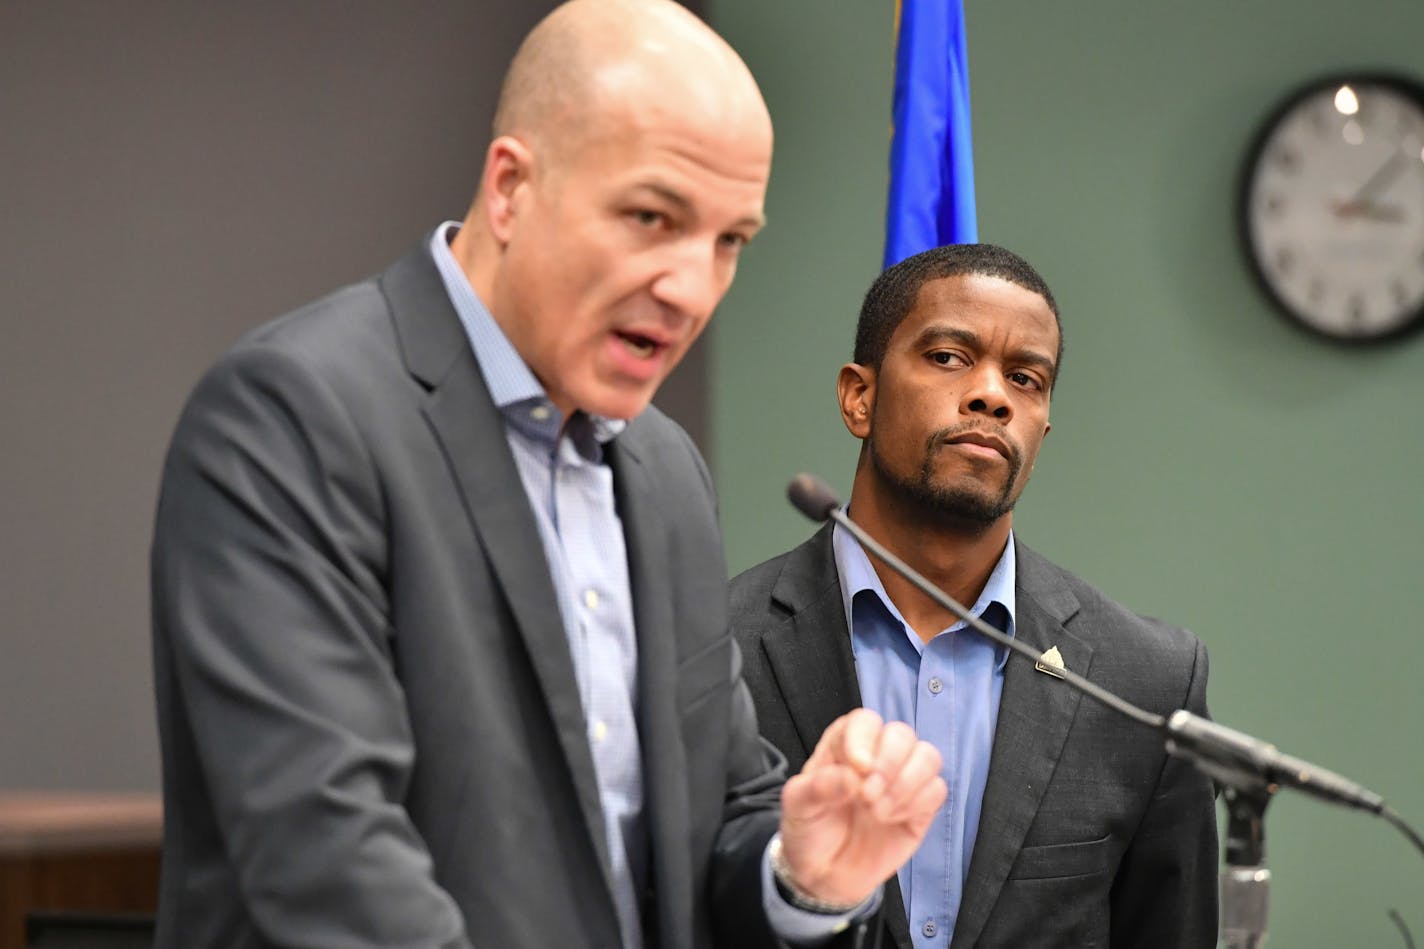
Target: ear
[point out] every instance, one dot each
(509, 166)
(855, 390)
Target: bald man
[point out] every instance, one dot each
(440, 636)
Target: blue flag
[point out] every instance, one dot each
(931, 156)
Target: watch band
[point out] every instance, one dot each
(796, 896)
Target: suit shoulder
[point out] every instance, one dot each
(1103, 620)
(1153, 664)
(309, 376)
(336, 334)
(343, 345)
(750, 591)
(785, 584)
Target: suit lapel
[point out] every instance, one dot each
(810, 654)
(470, 431)
(810, 651)
(1035, 713)
(659, 718)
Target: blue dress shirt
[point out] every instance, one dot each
(948, 690)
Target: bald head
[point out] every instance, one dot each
(591, 59)
(627, 171)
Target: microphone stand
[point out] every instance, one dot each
(1245, 879)
(1248, 770)
(1245, 883)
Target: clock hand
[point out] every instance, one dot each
(1388, 213)
(1368, 210)
(1382, 176)
(1361, 204)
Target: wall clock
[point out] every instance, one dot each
(1332, 207)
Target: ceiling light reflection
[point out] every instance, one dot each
(1346, 102)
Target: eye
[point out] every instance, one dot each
(1025, 380)
(646, 218)
(946, 357)
(733, 241)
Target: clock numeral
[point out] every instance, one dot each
(1287, 159)
(1274, 204)
(1356, 306)
(1285, 260)
(1399, 292)
(1316, 291)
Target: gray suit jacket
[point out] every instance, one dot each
(1089, 834)
(371, 732)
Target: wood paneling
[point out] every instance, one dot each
(76, 852)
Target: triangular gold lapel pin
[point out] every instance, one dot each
(1050, 662)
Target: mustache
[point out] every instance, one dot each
(964, 428)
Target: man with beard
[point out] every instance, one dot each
(1065, 825)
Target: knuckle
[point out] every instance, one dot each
(867, 717)
(900, 733)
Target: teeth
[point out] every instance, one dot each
(640, 348)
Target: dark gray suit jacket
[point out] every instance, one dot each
(1089, 836)
(370, 728)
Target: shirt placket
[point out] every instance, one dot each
(933, 866)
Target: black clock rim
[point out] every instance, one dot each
(1404, 84)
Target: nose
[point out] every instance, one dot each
(987, 394)
(693, 281)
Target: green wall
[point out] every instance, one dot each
(1208, 463)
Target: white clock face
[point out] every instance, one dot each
(1335, 209)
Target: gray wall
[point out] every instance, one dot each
(172, 174)
(1207, 463)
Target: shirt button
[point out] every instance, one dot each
(539, 413)
(590, 599)
(936, 687)
(929, 929)
(599, 730)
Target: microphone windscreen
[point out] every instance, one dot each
(812, 496)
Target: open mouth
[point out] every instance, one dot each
(640, 346)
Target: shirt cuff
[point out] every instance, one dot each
(803, 928)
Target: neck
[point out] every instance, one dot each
(957, 558)
(476, 257)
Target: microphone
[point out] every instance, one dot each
(812, 496)
(1229, 756)
(1236, 758)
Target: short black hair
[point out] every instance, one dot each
(893, 294)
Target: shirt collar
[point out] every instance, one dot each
(858, 576)
(512, 384)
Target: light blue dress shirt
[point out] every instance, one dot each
(948, 690)
(570, 489)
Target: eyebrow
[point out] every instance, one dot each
(680, 201)
(939, 331)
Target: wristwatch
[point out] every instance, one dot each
(794, 895)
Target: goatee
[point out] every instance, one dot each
(962, 507)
